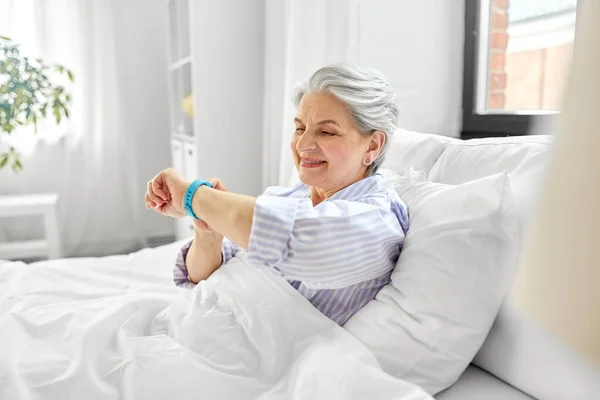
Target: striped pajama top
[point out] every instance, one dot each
(337, 254)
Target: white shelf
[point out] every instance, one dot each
(179, 30)
(180, 71)
(44, 205)
(178, 64)
(29, 204)
(24, 249)
(184, 137)
(180, 86)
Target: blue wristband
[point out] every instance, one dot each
(189, 195)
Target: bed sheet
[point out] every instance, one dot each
(117, 328)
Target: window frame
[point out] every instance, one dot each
(490, 124)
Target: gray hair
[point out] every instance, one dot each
(367, 94)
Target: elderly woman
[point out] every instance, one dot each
(336, 236)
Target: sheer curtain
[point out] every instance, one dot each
(118, 133)
(27, 22)
(300, 37)
(418, 45)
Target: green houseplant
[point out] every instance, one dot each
(30, 91)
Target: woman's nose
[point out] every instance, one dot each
(306, 142)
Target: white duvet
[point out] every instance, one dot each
(117, 328)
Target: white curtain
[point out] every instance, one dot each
(28, 24)
(418, 45)
(301, 36)
(118, 132)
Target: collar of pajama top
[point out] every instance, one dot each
(337, 254)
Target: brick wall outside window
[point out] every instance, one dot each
(497, 62)
(523, 80)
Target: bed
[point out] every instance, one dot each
(116, 327)
(74, 327)
(138, 286)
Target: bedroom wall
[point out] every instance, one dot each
(418, 45)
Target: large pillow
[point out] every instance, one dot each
(414, 149)
(457, 263)
(525, 158)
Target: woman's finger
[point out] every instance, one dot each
(159, 191)
(152, 196)
(149, 203)
(217, 184)
(162, 208)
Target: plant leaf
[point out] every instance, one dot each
(3, 160)
(56, 113)
(8, 127)
(17, 166)
(28, 92)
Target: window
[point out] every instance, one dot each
(517, 58)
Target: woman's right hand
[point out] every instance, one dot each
(201, 226)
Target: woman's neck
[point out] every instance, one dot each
(319, 194)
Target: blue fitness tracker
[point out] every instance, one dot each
(189, 195)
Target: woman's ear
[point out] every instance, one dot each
(376, 143)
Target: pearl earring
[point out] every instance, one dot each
(368, 161)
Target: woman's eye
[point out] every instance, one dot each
(328, 133)
(299, 130)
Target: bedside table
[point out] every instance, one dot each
(45, 205)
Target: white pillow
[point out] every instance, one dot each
(420, 150)
(394, 179)
(457, 263)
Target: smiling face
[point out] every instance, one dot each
(329, 151)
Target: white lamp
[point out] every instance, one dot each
(559, 278)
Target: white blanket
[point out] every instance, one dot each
(117, 328)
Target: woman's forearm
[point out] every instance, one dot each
(228, 213)
(204, 256)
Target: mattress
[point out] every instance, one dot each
(476, 384)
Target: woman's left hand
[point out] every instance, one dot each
(165, 193)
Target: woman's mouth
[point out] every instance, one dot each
(311, 163)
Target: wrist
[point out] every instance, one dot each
(200, 200)
(178, 194)
(195, 190)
